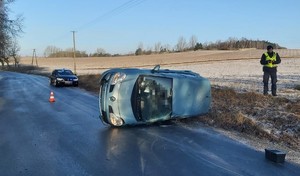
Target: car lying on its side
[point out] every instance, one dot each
(63, 77)
(138, 96)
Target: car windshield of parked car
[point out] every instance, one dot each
(152, 98)
(65, 72)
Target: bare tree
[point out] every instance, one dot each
(193, 41)
(13, 52)
(140, 49)
(100, 51)
(157, 47)
(181, 44)
(141, 46)
(166, 48)
(51, 51)
(9, 31)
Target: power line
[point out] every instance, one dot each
(116, 11)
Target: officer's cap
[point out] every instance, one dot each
(269, 47)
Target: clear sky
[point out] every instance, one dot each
(119, 26)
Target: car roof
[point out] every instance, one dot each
(165, 72)
(62, 69)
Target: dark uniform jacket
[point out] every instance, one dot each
(264, 62)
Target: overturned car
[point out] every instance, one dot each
(137, 96)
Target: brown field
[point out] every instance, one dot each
(96, 65)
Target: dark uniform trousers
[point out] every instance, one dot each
(267, 74)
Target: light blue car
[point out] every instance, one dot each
(139, 96)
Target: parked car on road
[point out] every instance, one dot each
(63, 77)
(138, 96)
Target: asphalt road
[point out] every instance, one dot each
(67, 138)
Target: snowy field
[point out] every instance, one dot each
(246, 75)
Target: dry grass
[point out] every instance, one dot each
(29, 70)
(89, 82)
(249, 113)
(228, 112)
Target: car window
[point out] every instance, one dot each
(152, 97)
(65, 72)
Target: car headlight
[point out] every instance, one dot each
(116, 121)
(75, 79)
(59, 79)
(117, 78)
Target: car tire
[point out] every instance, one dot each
(55, 83)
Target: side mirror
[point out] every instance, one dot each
(156, 68)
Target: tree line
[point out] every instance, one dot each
(53, 51)
(193, 45)
(234, 43)
(182, 45)
(10, 29)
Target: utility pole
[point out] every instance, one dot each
(34, 57)
(74, 51)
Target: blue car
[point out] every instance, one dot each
(139, 96)
(63, 77)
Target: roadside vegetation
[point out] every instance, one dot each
(28, 69)
(10, 29)
(89, 82)
(265, 117)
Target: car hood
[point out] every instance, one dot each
(67, 76)
(124, 101)
(191, 97)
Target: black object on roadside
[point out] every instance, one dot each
(275, 155)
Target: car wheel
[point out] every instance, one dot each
(55, 83)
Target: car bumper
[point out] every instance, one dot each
(67, 83)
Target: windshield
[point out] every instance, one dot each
(152, 98)
(65, 72)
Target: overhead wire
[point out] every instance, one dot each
(114, 12)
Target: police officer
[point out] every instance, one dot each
(269, 60)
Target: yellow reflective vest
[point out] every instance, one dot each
(268, 58)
